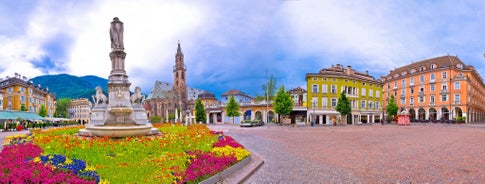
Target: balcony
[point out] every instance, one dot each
(444, 91)
(421, 93)
(411, 84)
(456, 102)
(432, 104)
(432, 81)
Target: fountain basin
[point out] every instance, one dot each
(120, 131)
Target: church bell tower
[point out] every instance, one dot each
(179, 71)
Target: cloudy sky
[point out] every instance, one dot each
(231, 44)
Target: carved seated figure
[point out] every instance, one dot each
(137, 97)
(99, 97)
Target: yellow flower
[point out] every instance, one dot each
(90, 168)
(37, 159)
(68, 161)
(239, 153)
(103, 181)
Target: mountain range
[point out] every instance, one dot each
(69, 86)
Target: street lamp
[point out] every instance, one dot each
(314, 104)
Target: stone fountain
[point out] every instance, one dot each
(119, 114)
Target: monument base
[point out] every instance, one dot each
(118, 131)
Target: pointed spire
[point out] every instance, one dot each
(179, 50)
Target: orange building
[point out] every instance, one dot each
(442, 88)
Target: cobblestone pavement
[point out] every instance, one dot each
(431, 153)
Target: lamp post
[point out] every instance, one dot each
(314, 104)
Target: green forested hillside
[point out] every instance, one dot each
(69, 86)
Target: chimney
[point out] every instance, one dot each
(367, 72)
(349, 70)
(338, 65)
(332, 66)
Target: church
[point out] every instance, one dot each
(175, 101)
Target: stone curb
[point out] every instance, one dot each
(239, 172)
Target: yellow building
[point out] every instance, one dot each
(362, 90)
(80, 110)
(18, 91)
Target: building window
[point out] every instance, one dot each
(457, 97)
(334, 89)
(378, 94)
(431, 99)
(314, 88)
(324, 102)
(324, 88)
(431, 87)
(443, 75)
(403, 101)
(411, 81)
(421, 69)
(432, 77)
(431, 67)
(403, 83)
(334, 102)
(314, 78)
(403, 92)
(421, 78)
(460, 66)
(395, 85)
(371, 105)
(421, 99)
(378, 105)
(363, 92)
(444, 98)
(371, 92)
(411, 101)
(334, 79)
(457, 85)
(362, 105)
(443, 86)
(412, 90)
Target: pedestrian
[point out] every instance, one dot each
(382, 122)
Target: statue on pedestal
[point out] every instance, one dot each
(116, 34)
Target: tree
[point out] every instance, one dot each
(283, 104)
(269, 88)
(232, 108)
(155, 119)
(343, 106)
(62, 105)
(23, 108)
(42, 111)
(200, 115)
(391, 107)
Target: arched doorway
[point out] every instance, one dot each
(445, 113)
(458, 112)
(258, 115)
(432, 114)
(271, 117)
(412, 114)
(247, 115)
(421, 114)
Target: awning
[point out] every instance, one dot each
(20, 114)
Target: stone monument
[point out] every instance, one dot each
(118, 115)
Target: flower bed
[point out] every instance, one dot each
(183, 154)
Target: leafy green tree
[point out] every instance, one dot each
(155, 119)
(200, 115)
(259, 98)
(62, 105)
(283, 103)
(171, 116)
(391, 108)
(269, 88)
(343, 106)
(23, 108)
(42, 111)
(232, 108)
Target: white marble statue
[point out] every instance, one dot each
(137, 96)
(99, 97)
(116, 34)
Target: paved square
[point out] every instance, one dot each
(431, 153)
